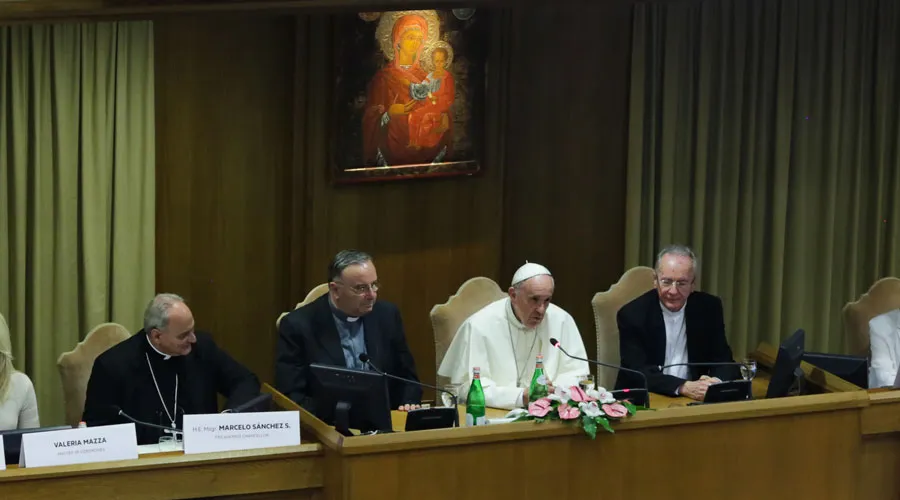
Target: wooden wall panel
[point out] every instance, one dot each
(427, 237)
(248, 218)
(223, 157)
(565, 182)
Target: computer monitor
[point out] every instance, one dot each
(351, 399)
(853, 369)
(12, 440)
(787, 365)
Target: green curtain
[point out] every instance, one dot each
(764, 134)
(77, 188)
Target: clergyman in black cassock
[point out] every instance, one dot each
(164, 371)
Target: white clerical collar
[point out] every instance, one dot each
(511, 317)
(673, 315)
(164, 355)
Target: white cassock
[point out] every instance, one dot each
(884, 341)
(494, 340)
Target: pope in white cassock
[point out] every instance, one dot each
(505, 337)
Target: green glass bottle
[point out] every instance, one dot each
(475, 400)
(538, 388)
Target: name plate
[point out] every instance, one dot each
(2, 455)
(78, 446)
(240, 431)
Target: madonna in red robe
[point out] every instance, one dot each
(389, 103)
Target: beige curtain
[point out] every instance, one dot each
(77, 188)
(764, 133)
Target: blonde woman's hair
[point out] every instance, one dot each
(6, 359)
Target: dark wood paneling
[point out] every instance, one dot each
(427, 237)
(245, 234)
(565, 183)
(224, 90)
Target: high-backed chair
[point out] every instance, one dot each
(634, 283)
(882, 297)
(313, 294)
(75, 366)
(446, 318)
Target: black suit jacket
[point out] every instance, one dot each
(308, 335)
(642, 341)
(121, 377)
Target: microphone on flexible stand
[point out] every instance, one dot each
(709, 364)
(168, 430)
(252, 404)
(555, 343)
(366, 360)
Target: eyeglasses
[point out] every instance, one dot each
(363, 288)
(680, 284)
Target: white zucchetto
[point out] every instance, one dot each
(528, 271)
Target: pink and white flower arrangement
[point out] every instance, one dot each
(590, 409)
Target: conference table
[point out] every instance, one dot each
(840, 442)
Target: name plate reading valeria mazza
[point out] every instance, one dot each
(78, 446)
(240, 431)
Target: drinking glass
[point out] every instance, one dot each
(586, 382)
(169, 443)
(748, 369)
(446, 399)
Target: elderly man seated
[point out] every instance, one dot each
(505, 337)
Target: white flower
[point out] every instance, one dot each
(554, 397)
(562, 394)
(601, 395)
(590, 409)
(606, 398)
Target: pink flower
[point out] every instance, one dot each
(567, 412)
(614, 410)
(539, 408)
(578, 395)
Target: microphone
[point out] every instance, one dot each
(262, 398)
(555, 343)
(168, 430)
(711, 364)
(365, 359)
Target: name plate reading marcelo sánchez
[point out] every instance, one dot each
(240, 431)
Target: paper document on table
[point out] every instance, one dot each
(495, 421)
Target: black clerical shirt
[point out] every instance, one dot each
(122, 378)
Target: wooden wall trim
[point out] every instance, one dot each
(69, 10)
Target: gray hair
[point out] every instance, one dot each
(681, 251)
(157, 313)
(345, 259)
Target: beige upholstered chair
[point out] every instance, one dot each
(313, 294)
(884, 296)
(634, 283)
(446, 318)
(75, 366)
